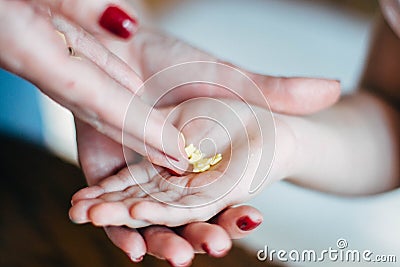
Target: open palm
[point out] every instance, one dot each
(144, 194)
(100, 157)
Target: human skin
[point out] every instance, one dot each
(360, 133)
(349, 149)
(370, 131)
(32, 49)
(179, 244)
(382, 80)
(101, 157)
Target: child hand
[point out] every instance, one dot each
(143, 194)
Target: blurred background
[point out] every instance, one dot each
(324, 38)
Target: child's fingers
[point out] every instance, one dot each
(128, 240)
(79, 212)
(103, 213)
(134, 213)
(160, 213)
(163, 243)
(239, 221)
(206, 237)
(87, 193)
(101, 17)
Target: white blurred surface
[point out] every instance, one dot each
(299, 38)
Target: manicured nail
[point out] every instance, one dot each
(246, 224)
(171, 157)
(118, 22)
(173, 173)
(205, 247)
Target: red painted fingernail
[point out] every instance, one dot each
(205, 247)
(172, 172)
(246, 224)
(171, 157)
(118, 22)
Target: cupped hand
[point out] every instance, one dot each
(143, 194)
(101, 157)
(148, 53)
(98, 89)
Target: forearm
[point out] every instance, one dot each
(381, 74)
(352, 148)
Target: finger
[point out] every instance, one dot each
(126, 183)
(79, 212)
(153, 155)
(87, 193)
(91, 48)
(128, 240)
(163, 243)
(160, 213)
(102, 213)
(101, 17)
(296, 96)
(205, 237)
(239, 221)
(78, 84)
(112, 65)
(114, 108)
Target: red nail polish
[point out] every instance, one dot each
(205, 247)
(246, 224)
(118, 22)
(171, 157)
(172, 172)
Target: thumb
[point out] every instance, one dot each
(297, 96)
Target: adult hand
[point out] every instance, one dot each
(147, 54)
(96, 91)
(249, 139)
(101, 157)
(151, 52)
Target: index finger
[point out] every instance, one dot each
(40, 56)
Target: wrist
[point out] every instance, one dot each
(287, 161)
(300, 146)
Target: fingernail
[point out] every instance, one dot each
(246, 224)
(178, 265)
(215, 253)
(173, 173)
(205, 247)
(136, 260)
(118, 22)
(171, 157)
